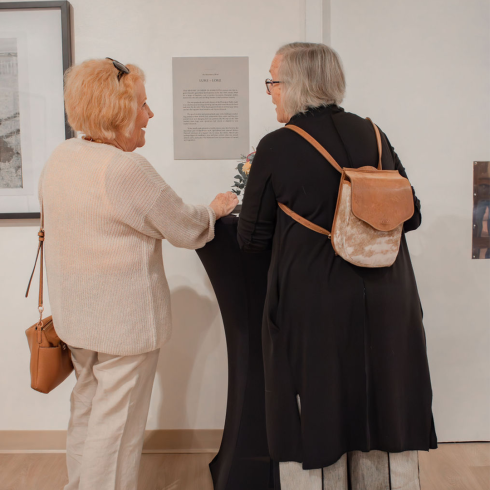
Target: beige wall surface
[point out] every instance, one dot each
(421, 71)
(191, 382)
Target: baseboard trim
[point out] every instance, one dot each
(173, 441)
(156, 441)
(183, 441)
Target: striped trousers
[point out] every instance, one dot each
(375, 470)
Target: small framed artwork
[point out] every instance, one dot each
(481, 210)
(35, 51)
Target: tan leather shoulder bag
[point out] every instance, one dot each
(51, 360)
(372, 206)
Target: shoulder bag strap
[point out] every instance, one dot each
(40, 251)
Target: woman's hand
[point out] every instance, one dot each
(224, 204)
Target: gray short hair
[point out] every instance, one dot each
(313, 77)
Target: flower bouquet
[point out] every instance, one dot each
(243, 172)
(241, 179)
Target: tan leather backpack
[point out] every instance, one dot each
(372, 206)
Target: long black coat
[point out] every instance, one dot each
(348, 340)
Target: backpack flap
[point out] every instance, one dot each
(381, 198)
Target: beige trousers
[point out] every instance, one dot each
(375, 470)
(109, 409)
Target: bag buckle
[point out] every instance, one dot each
(41, 309)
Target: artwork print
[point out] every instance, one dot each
(10, 152)
(481, 210)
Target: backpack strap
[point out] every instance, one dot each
(327, 155)
(335, 165)
(317, 146)
(304, 221)
(378, 142)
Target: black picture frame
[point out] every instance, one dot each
(66, 44)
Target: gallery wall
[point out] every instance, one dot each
(191, 382)
(420, 69)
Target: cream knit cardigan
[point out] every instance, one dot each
(106, 213)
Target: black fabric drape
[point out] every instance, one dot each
(239, 281)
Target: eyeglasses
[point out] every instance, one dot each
(123, 69)
(269, 83)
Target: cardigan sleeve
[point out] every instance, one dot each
(144, 201)
(183, 225)
(257, 220)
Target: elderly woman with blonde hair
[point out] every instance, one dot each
(347, 385)
(106, 211)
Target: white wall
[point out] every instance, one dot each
(191, 383)
(421, 71)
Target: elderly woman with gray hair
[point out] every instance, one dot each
(106, 212)
(348, 392)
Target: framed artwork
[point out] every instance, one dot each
(35, 51)
(481, 210)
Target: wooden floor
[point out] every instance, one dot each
(451, 467)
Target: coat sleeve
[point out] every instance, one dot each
(143, 200)
(257, 220)
(415, 221)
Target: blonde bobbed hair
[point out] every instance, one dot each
(97, 103)
(312, 76)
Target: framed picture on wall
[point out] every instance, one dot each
(35, 51)
(481, 210)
